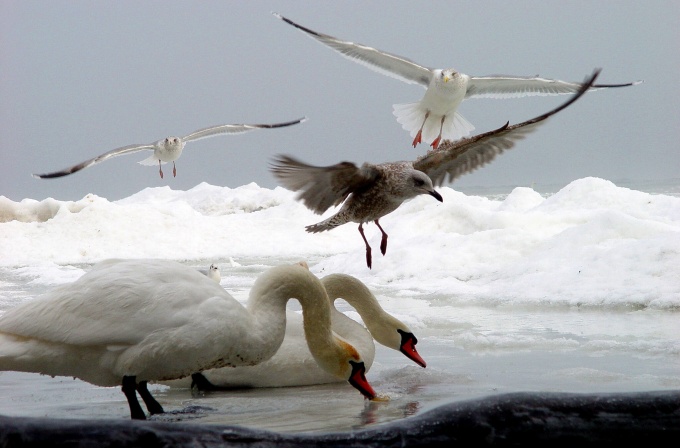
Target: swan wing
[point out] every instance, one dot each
(453, 159)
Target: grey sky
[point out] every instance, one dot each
(78, 78)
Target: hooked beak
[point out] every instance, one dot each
(436, 195)
(358, 380)
(408, 348)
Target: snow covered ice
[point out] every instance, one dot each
(574, 291)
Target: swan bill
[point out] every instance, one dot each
(408, 348)
(358, 379)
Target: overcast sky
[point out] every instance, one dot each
(78, 78)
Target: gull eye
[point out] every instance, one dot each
(419, 182)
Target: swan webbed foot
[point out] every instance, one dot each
(130, 391)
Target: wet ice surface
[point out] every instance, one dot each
(471, 351)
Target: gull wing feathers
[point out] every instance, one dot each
(100, 158)
(463, 156)
(517, 86)
(321, 187)
(379, 61)
(235, 129)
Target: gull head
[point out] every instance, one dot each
(415, 183)
(172, 142)
(448, 74)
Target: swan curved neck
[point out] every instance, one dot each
(271, 292)
(382, 325)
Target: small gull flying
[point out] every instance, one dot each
(435, 118)
(369, 192)
(168, 149)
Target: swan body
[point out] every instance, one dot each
(132, 321)
(293, 364)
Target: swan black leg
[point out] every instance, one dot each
(152, 405)
(130, 391)
(202, 383)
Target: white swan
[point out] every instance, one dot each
(293, 364)
(133, 321)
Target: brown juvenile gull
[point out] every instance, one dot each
(435, 118)
(168, 149)
(372, 191)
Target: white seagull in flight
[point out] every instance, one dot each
(169, 149)
(435, 117)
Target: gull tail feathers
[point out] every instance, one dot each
(411, 116)
(456, 128)
(150, 161)
(328, 224)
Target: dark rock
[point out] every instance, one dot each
(519, 419)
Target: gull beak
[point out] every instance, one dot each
(446, 78)
(359, 381)
(436, 195)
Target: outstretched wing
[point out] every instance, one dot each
(463, 156)
(107, 155)
(379, 61)
(321, 187)
(517, 86)
(235, 129)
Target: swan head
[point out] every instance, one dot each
(345, 362)
(394, 334)
(407, 346)
(357, 379)
(384, 328)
